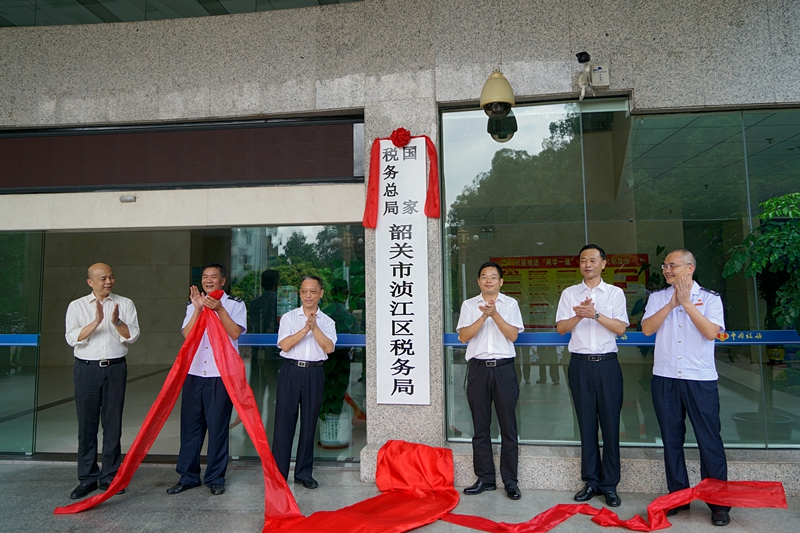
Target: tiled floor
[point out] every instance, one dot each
(38, 487)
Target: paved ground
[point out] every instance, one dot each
(35, 488)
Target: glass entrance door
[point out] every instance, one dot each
(20, 290)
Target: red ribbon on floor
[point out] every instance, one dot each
(280, 507)
(733, 493)
(417, 486)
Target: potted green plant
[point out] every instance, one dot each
(770, 253)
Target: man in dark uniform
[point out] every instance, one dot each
(205, 404)
(306, 336)
(100, 327)
(687, 319)
(594, 312)
(489, 323)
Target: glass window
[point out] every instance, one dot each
(269, 281)
(639, 186)
(20, 287)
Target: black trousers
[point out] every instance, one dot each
(672, 400)
(498, 385)
(205, 406)
(596, 388)
(99, 397)
(299, 389)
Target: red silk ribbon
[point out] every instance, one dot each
(279, 505)
(733, 493)
(432, 208)
(416, 482)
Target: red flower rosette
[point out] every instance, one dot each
(400, 137)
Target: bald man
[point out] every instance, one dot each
(100, 326)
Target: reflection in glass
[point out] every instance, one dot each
(267, 266)
(640, 186)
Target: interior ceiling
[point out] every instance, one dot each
(683, 167)
(63, 12)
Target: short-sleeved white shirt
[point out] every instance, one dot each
(490, 343)
(203, 364)
(590, 337)
(105, 342)
(682, 352)
(307, 349)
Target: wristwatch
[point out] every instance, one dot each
(596, 316)
(119, 322)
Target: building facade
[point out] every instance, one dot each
(698, 125)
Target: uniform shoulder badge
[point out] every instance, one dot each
(235, 298)
(709, 290)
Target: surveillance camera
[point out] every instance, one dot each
(583, 57)
(497, 97)
(502, 130)
(497, 110)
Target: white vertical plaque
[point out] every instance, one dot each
(401, 265)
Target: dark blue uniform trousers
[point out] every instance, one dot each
(205, 406)
(672, 400)
(299, 389)
(596, 388)
(498, 385)
(99, 396)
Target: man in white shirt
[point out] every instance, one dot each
(595, 313)
(100, 327)
(489, 323)
(205, 404)
(687, 319)
(306, 336)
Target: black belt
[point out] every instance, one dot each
(595, 357)
(102, 363)
(304, 364)
(493, 362)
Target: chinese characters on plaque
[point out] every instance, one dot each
(401, 265)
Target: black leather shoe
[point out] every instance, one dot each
(720, 518)
(82, 490)
(309, 483)
(612, 499)
(513, 493)
(586, 494)
(217, 489)
(676, 510)
(177, 488)
(479, 487)
(104, 486)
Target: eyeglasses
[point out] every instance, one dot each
(489, 278)
(672, 266)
